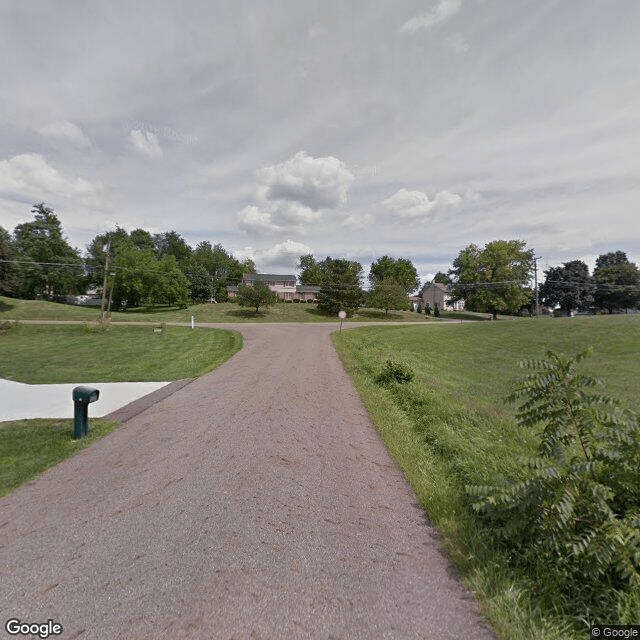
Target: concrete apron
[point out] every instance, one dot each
(19, 401)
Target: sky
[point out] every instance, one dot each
(346, 128)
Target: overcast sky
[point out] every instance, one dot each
(345, 128)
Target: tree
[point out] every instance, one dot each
(9, 280)
(311, 271)
(256, 295)
(55, 267)
(617, 282)
(400, 270)
(171, 243)
(340, 289)
(221, 266)
(442, 278)
(569, 286)
(200, 282)
(388, 295)
(493, 279)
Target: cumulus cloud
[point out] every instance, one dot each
(444, 10)
(274, 217)
(317, 183)
(29, 174)
(284, 255)
(413, 205)
(294, 193)
(66, 132)
(146, 142)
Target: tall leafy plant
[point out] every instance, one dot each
(573, 517)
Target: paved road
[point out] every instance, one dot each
(256, 502)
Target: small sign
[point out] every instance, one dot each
(342, 315)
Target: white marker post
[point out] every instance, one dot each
(192, 325)
(342, 315)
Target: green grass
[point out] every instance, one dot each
(29, 447)
(39, 354)
(449, 427)
(12, 309)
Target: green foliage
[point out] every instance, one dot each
(493, 279)
(427, 309)
(569, 286)
(395, 372)
(340, 289)
(50, 267)
(617, 282)
(436, 310)
(574, 514)
(399, 270)
(386, 295)
(256, 295)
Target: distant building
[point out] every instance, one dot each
(284, 285)
(437, 293)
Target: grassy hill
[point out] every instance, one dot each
(13, 309)
(450, 428)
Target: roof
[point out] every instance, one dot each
(307, 288)
(268, 276)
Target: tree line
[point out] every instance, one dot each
(139, 268)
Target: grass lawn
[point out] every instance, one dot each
(12, 309)
(449, 427)
(66, 353)
(29, 447)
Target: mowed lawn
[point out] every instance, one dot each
(39, 354)
(225, 312)
(450, 427)
(70, 353)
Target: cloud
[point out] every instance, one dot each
(459, 43)
(146, 142)
(294, 193)
(317, 183)
(413, 205)
(444, 10)
(30, 174)
(275, 217)
(66, 132)
(284, 255)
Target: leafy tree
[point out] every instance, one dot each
(142, 239)
(493, 279)
(386, 295)
(311, 271)
(169, 284)
(136, 272)
(256, 295)
(9, 280)
(57, 268)
(442, 278)
(221, 266)
(171, 243)
(436, 310)
(400, 270)
(200, 282)
(340, 289)
(568, 286)
(617, 282)
(427, 309)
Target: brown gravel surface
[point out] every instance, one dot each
(256, 502)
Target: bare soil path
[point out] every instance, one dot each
(256, 502)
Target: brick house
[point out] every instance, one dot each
(284, 285)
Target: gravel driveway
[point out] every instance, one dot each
(256, 502)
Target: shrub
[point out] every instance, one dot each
(395, 372)
(573, 518)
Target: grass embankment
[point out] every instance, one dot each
(69, 353)
(39, 354)
(449, 428)
(30, 447)
(12, 309)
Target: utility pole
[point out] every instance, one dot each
(104, 284)
(535, 270)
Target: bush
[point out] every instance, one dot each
(395, 372)
(573, 519)
(296, 300)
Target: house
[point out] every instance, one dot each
(284, 285)
(437, 293)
